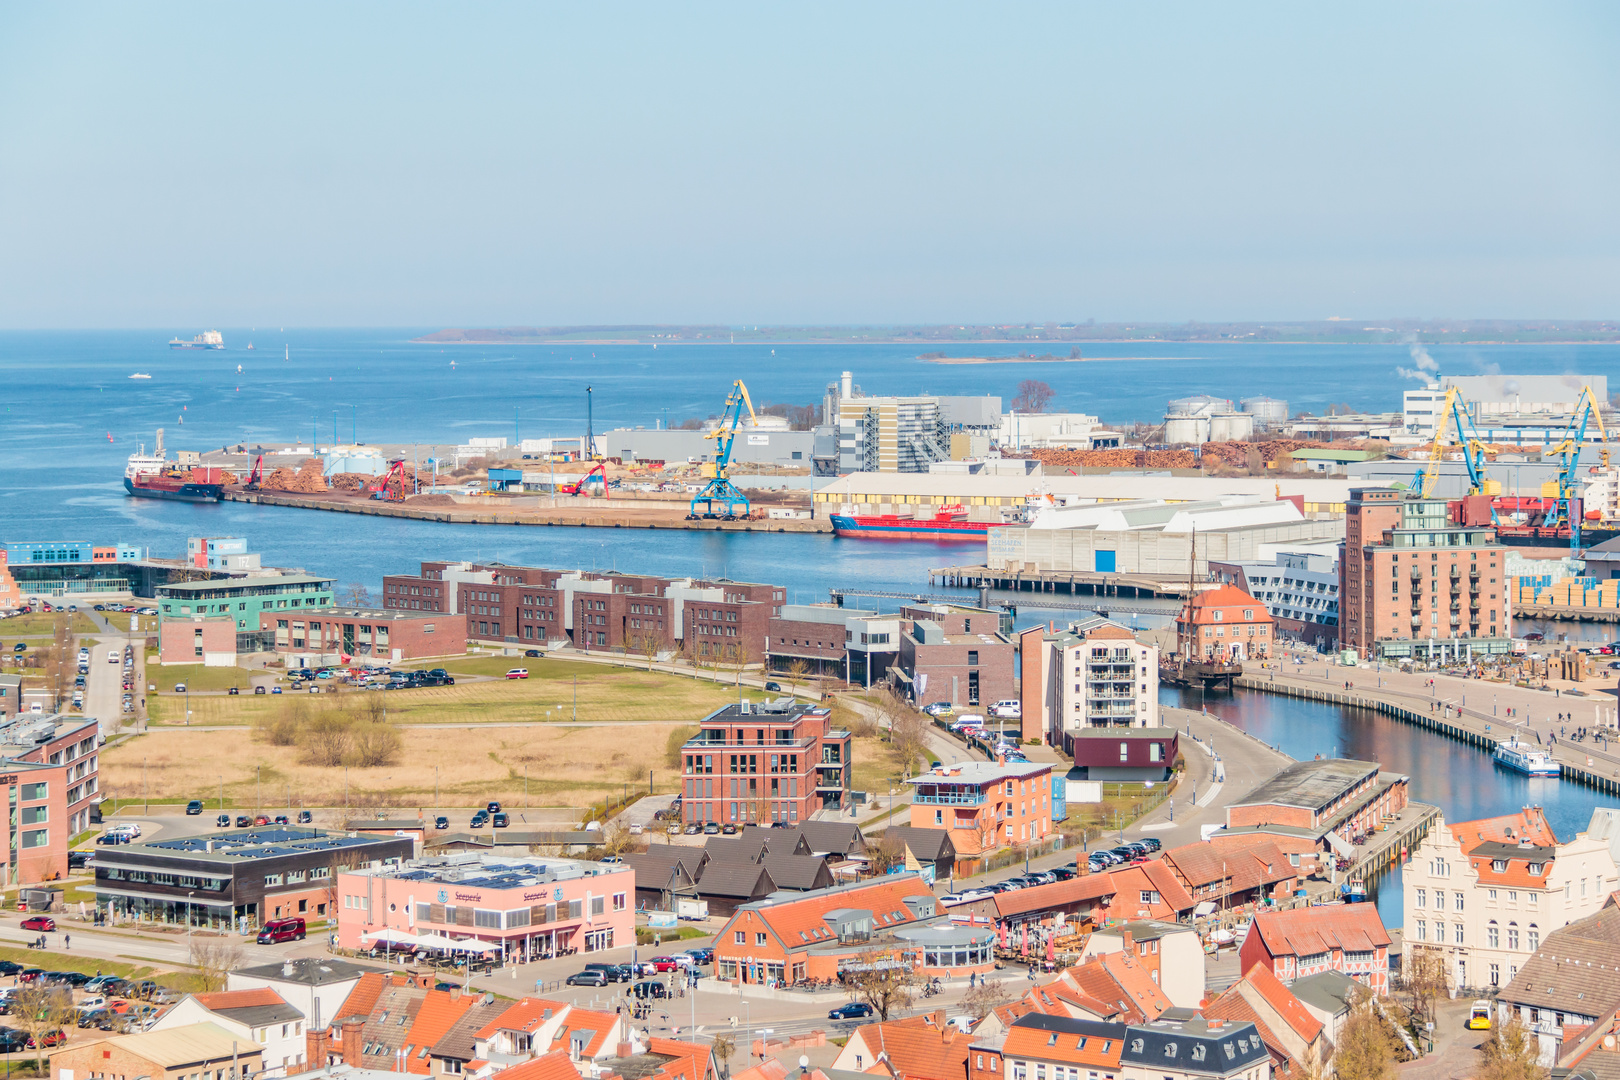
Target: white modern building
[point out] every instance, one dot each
(1299, 586)
(1101, 676)
(1057, 431)
(1483, 894)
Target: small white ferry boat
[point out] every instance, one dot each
(1524, 758)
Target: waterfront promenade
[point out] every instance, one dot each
(1474, 710)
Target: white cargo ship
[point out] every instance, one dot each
(1522, 757)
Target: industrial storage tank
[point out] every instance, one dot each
(1267, 412)
(1184, 430)
(1230, 427)
(1199, 405)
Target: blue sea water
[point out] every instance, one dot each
(73, 415)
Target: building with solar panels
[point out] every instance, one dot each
(237, 878)
(521, 908)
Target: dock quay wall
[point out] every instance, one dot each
(590, 517)
(1475, 731)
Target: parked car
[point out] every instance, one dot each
(650, 988)
(441, 822)
(517, 673)
(853, 1010)
(701, 955)
(939, 708)
(662, 964)
(39, 922)
(1150, 842)
(499, 821)
(773, 687)
(243, 821)
(55, 1037)
(713, 828)
(258, 689)
(589, 977)
(194, 807)
(305, 817)
(262, 819)
(276, 931)
(533, 652)
(1007, 709)
(78, 860)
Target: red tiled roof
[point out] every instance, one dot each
(1203, 605)
(921, 1047)
(788, 919)
(1529, 823)
(1282, 999)
(1130, 882)
(241, 999)
(437, 1014)
(363, 998)
(688, 1061)
(1063, 1046)
(1256, 865)
(1307, 931)
(601, 1023)
(552, 1066)
(525, 1015)
(1055, 894)
(1232, 1005)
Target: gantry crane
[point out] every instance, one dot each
(1454, 418)
(720, 490)
(1566, 510)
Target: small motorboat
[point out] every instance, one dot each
(140, 375)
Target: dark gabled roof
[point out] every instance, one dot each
(457, 1043)
(1089, 1028)
(667, 866)
(801, 872)
(820, 837)
(755, 843)
(1208, 1048)
(1575, 970)
(738, 880)
(928, 845)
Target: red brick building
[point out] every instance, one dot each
(197, 639)
(338, 635)
(1414, 581)
(1339, 795)
(1293, 944)
(955, 654)
(764, 763)
(1226, 623)
(534, 606)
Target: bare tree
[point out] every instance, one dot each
(724, 1047)
(987, 830)
(980, 999)
(888, 986)
(648, 643)
(796, 669)
(887, 853)
(282, 727)
(1033, 396)
(1511, 1053)
(1425, 975)
(355, 595)
(40, 1010)
(616, 840)
(214, 959)
(1365, 1051)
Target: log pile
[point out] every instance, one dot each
(1215, 453)
(308, 480)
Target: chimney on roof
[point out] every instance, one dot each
(317, 1045)
(1129, 941)
(352, 1027)
(286, 969)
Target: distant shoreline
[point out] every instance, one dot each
(771, 342)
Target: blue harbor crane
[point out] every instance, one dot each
(720, 497)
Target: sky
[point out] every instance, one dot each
(397, 164)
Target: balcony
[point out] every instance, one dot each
(945, 796)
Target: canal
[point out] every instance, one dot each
(1464, 782)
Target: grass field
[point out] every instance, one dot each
(604, 694)
(42, 624)
(565, 766)
(195, 676)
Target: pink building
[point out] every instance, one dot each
(531, 908)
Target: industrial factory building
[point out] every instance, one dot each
(1201, 419)
(991, 496)
(1152, 537)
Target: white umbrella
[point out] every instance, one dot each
(435, 941)
(390, 935)
(471, 945)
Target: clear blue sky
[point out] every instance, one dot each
(192, 165)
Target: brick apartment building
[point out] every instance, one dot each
(955, 654)
(535, 606)
(756, 763)
(51, 766)
(334, 635)
(1415, 581)
(986, 805)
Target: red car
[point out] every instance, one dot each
(38, 922)
(664, 963)
(52, 1038)
(261, 820)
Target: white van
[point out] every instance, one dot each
(968, 720)
(1007, 709)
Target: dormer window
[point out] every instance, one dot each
(1499, 865)
(1535, 869)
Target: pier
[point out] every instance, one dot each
(1077, 583)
